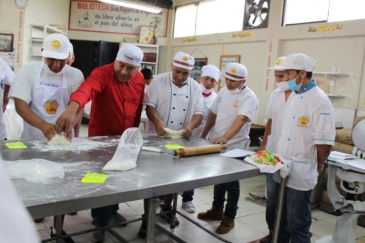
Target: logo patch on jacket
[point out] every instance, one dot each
(303, 121)
(51, 107)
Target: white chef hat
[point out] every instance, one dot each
(56, 46)
(236, 71)
(130, 53)
(70, 48)
(299, 61)
(211, 71)
(183, 60)
(279, 64)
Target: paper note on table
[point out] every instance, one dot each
(16, 145)
(340, 155)
(94, 178)
(173, 146)
(237, 153)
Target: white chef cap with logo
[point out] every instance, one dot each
(279, 64)
(299, 61)
(71, 48)
(130, 54)
(236, 71)
(56, 46)
(211, 71)
(183, 60)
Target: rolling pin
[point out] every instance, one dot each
(209, 149)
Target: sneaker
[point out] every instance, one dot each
(98, 236)
(267, 239)
(118, 219)
(66, 239)
(188, 206)
(40, 220)
(211, 214)
(167, 216)
(226, 225)
(143, 229)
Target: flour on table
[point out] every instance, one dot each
(173, 134)
(127, 164)
(77, 144)
(59, 140)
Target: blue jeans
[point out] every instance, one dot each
(102, 216)
(299, 214)
(296, 217)
(233, 190)
(187, 196)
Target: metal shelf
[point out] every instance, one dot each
(336, 96)
(331, 73)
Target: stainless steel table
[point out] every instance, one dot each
(156, 174)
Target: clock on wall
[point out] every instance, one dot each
(21, 3)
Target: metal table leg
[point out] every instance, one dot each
(279, 210)
(58, 222)
(151, 219)
(173, 212)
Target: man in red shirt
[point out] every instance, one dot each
(117, 92)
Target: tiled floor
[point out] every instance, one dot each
(250, 224)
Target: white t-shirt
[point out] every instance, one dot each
(26, 76)
(6, 77)
(309, 120)
(174, 106)
(275, 112)
(227, 106)
(15, 222)
(208, 101)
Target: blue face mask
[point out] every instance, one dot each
(293, 84)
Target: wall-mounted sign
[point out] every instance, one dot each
(188, 40)
(108, 18)
(325, 28)
(242, 35)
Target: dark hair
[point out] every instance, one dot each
(147, 73)
(309, 74)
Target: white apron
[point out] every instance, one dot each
(49, 101)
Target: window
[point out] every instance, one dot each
(209, 17)
(300, 12)
(341, 10)
(185, 21)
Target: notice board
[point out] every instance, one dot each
(108, 18)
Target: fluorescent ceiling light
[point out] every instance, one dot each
(128, 4)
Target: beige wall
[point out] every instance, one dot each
(343, 49)
(10, 17)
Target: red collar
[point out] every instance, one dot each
(207, 95)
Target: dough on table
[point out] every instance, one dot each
(173, 134)
(59, 140)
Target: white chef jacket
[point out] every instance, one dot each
(15, 222)
(309, 120)
(174, 106)
(6, 77)
(227, 106)
(208, 101)
(275, 112)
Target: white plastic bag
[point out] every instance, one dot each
(34, 170)
(125, 158)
